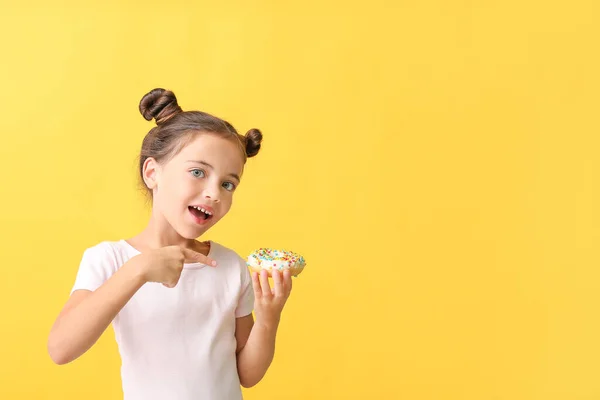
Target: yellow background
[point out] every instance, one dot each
(435, 161)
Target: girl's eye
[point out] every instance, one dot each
(228, 186)
(197, 173)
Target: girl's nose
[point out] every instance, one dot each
(212, 194)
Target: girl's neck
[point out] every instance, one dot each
(157, 235)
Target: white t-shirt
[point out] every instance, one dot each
(177, 343)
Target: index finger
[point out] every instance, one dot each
(287, 281)
(198, 257)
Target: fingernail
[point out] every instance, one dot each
(214, 263)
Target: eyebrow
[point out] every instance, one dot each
(211, 167)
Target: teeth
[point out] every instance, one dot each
(203, 210)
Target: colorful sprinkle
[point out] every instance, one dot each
(268, 258)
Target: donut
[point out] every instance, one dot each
(268, 259)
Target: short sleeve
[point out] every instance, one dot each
(246, 300)
(96, 266)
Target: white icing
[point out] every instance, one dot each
(269, 264)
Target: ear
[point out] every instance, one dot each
(150, 173)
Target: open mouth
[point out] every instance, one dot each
(200, 213)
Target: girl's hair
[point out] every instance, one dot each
(176, 128)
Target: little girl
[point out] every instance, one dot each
(181, 308)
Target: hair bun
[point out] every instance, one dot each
(253, 139)
(159, 104)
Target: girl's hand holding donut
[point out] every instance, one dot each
(268, 302)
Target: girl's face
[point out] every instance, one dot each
(194, 189)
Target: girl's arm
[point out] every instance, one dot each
(86, 315)
(256, 341)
